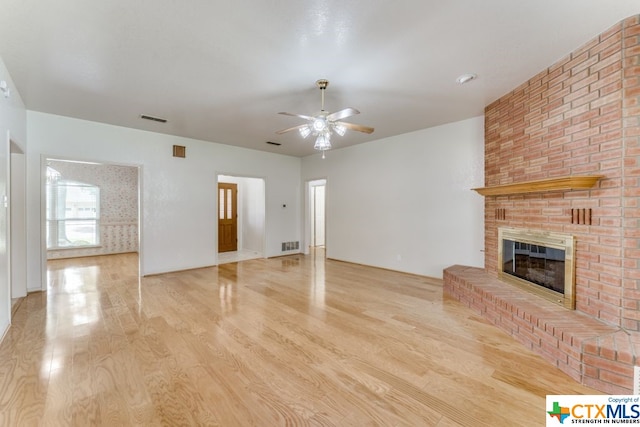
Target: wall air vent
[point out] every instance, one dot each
(290, 246)
(153, 119)
(179, 151)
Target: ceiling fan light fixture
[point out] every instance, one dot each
(339, 129)
(305, 131)
(323, 142)
(319, 124)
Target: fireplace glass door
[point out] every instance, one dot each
(537, 264)
(541, 262)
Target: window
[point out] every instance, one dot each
(73, 214)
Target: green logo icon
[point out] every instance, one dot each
(559, 412)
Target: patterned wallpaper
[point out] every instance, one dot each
(118, 206)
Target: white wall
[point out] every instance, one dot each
(12, 128)
(179, 195)
(404, 202)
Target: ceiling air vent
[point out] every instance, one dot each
(179, 151)
(273, 143)
(153, 119)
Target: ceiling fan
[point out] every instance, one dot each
(323, 124)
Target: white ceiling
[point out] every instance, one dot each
(221, 70)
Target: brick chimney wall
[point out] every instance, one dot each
(580, 116)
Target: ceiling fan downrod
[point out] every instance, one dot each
(322, 85)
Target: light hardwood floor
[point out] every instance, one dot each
(287, 341)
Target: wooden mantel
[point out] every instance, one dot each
(563, 183)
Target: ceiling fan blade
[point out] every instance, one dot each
(302, 116)
(342, 114)
(359, 128)
(280, 132)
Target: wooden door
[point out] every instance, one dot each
(227, 217)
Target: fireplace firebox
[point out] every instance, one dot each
(538, 261)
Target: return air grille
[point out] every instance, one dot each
(290, 246)
(153, 119)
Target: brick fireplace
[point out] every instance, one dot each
(579, 117)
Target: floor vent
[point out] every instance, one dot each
(290, 246)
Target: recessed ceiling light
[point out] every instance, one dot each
(466, 78)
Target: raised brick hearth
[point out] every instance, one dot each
(594, 353)
(581, 116)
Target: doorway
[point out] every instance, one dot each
(317, 225)
(90, 209)
(245, 195)
(316, 213)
